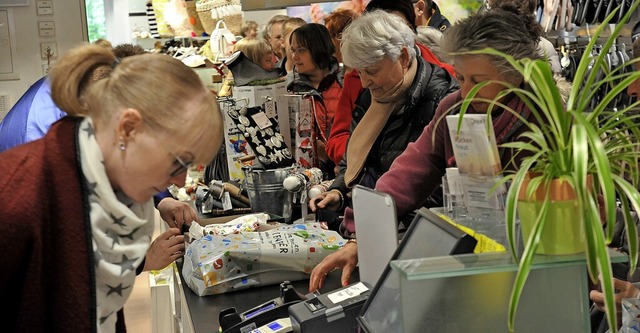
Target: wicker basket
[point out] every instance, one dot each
(208, 23)
(194, 18)
(234, 23)
(204, 8)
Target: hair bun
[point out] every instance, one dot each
(509, 6)
(519, 8)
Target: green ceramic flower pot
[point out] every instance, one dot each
(563, 231)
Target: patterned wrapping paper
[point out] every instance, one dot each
(245, 223)
(630, 315)
(217, 264)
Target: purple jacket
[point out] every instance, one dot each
(30, 118)
(418, 171)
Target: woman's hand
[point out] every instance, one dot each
(331, 200)
(624, 290)
(346, 258)
(321, 151)
(176, 213)
(164, 250)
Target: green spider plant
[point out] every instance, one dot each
(575, 140)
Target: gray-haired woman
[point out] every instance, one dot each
(401, 94)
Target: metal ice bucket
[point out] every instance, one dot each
(266, 193)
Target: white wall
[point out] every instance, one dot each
(117, 21)
(69, 30)
(262, 17)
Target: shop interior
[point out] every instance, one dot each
(248, 261)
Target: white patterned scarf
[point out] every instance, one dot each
(121, 231)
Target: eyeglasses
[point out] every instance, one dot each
(299, 51)
(181, 166)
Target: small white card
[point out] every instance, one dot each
(347, 293)
(453, 177)
(261, 120)
(226, 201)
(44, 7)
(479, 192)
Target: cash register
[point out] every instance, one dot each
(370, 307)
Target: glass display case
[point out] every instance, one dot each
(470, 293)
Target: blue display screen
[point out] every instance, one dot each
(274, 326)
(259, 311)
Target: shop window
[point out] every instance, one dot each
(96, 20)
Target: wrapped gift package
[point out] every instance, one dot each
(219, 263)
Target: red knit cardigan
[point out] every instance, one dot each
(47, 279)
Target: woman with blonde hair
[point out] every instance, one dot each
(71, 262)
(257, 50)
(249, 29)
(251, 60)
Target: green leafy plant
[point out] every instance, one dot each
(592, 146)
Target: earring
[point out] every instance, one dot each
(122, 145)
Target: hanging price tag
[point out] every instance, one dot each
(270, 109)
(261, 120)
(305, 113)
(226, 201)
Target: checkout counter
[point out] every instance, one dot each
(199, 314)
(456, 293)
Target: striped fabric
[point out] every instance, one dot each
(153, 24)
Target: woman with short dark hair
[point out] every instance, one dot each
(316, 72)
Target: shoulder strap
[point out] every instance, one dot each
(362, 105)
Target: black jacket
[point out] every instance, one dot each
(431, 84)
(438, 20)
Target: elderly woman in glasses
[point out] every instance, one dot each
(316, 71)
(401, 96)
(77, 204)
